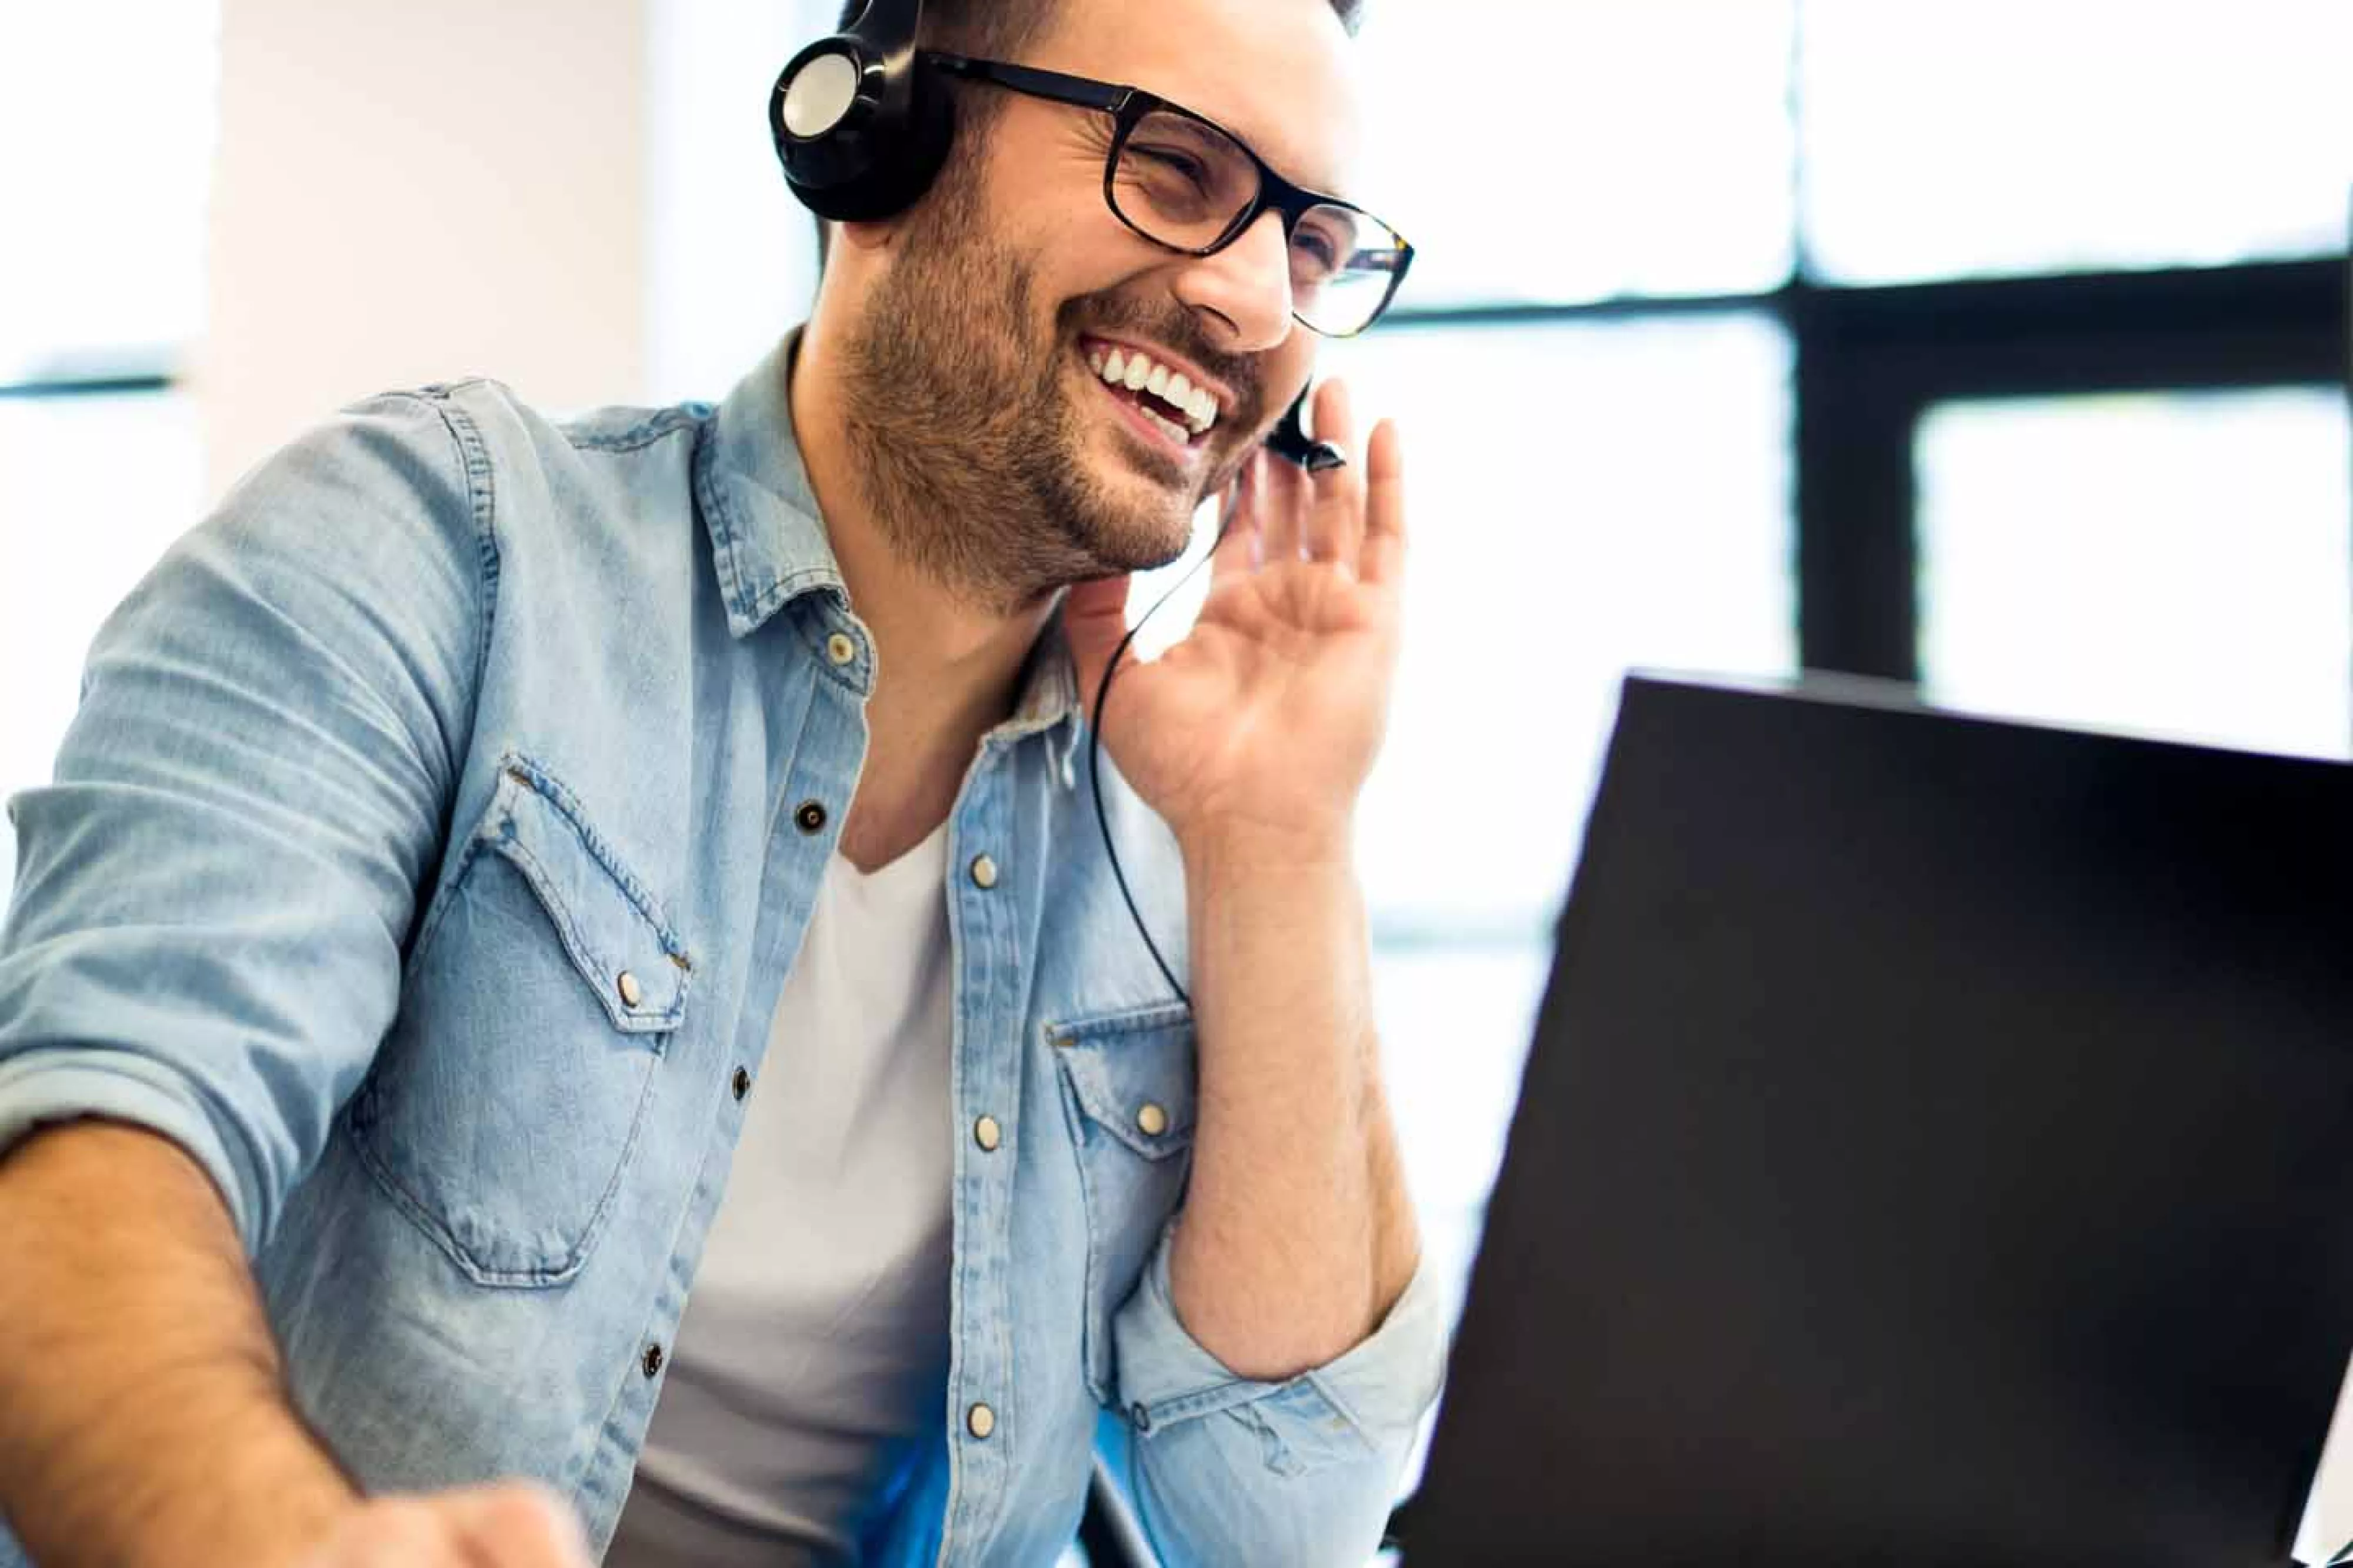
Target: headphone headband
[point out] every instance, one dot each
(861, 128)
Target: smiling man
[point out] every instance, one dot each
(585, 954)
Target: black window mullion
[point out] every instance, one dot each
(1870, 361)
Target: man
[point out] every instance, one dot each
(460, 825)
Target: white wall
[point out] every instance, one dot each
(417, 193)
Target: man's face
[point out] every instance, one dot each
(980, 349)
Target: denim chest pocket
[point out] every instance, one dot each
(504, 1107)
(1129, 1088)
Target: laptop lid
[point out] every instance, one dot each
(1935, 1149)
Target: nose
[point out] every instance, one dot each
(1244, 289)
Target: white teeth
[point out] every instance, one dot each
(1134, 370)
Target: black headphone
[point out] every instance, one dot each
(860, 124)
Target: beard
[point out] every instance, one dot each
(972, 448)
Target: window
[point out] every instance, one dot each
(2178, 563)
(1949, 138)
(99, 463)
(1647, 152)
(109, 108)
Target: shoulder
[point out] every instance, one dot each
(494, 426)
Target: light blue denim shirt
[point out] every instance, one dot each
(426, 858)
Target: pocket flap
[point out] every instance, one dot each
(615, 933)
(1133, 1075)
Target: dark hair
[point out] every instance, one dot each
(1001, 26)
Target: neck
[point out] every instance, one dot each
(947, 666)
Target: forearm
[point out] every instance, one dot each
(1297, 1235)
(142, 1418)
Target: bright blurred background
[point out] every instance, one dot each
(1995, 345)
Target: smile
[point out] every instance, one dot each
(1161, 398)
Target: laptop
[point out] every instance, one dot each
(1937, 1149)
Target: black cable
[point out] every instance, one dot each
(1094, 747)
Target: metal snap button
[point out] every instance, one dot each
(652, 1361)
(980, 1421)
(1153, 1119)
(741, 1083)
(631, 992)
(810, 816)
(984, 873)
(988, 1133)
(839, 648)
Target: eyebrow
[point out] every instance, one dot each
(1102, 93)
(1323, 184)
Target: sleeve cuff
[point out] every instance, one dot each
(51, 1088)
(1379, 1390)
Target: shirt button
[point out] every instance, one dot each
(1153, 1119)
(984, 873)
(980, 1421)
(1140, 1415)
(810, 817)
(839, 648)
(988, 1133)
(741, 1083)
(652, 1361)
(631, 992)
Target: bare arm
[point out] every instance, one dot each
(143, 1418)
(1298, 1236)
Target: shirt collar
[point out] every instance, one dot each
(769, 541)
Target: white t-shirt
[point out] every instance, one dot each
(813, 1352)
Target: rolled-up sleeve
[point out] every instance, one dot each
(1227, 1470)
(214, 892)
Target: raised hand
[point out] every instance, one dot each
(1264, 722)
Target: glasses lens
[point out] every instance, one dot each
(1344, 265)
(1186, 184)
(1182, 181)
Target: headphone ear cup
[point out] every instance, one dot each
(907, 161)
(880, 167)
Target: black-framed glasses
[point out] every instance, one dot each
(1190, 186)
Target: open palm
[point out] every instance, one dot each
(1268, 716)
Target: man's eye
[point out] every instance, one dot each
(1175, 160)
(1323, 252)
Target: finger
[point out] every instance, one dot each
(515, 1526)
(391, 1533)
(1334, 523)
(1236, 554)
(1281, 499)
(1382, 557)
(1094, 619)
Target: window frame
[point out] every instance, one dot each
(1871, 360)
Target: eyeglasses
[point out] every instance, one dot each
(1189, 185)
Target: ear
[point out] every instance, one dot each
(868, 238)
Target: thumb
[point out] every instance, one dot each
(1095, 618)
(515, 1525)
